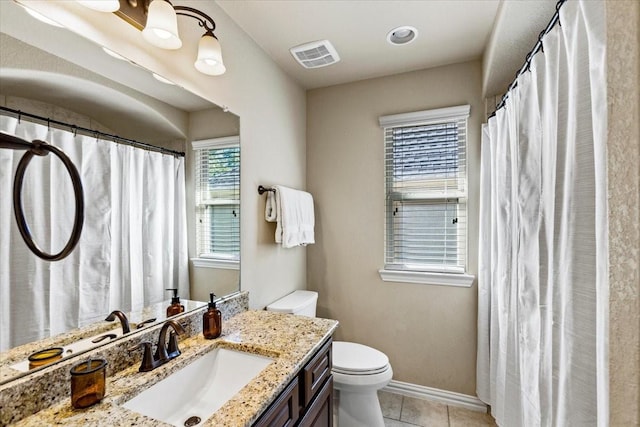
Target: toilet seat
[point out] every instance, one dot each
(356, 359)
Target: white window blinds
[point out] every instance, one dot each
(426, 190)
(217, 182)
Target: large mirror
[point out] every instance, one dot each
(53, 73)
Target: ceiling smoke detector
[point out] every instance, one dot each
(315, 54)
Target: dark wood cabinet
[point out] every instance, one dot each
(284, 412)
(308, 399)
(315, 373)
(320, 412)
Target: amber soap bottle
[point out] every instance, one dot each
(212, 320)
(175, 307)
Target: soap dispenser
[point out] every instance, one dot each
(212, 320)
(175, 307)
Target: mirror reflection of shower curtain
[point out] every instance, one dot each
(543, 268)
(133, 244)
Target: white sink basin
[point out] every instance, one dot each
(200, 388)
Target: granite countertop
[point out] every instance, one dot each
(21, 353)
(290, 340)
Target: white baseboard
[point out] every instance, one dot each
(442, 396)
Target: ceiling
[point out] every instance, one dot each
(514, 34)
(500, 32)
(449, 31)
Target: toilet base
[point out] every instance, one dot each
(359, 409)
(358, 404)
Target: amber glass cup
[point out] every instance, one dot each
(45, 357)
(88, 381)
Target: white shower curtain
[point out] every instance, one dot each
(133, 244)
(543, 275)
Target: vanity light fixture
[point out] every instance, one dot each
(161, 31)
(158, 20)
(101, 5)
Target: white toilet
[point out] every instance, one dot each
(358, 371)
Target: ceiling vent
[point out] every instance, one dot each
(315, 54)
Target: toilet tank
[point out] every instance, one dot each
(302, 303)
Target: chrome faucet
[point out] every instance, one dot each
(164, 352)
(124, 322)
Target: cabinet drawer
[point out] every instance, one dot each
(315, 373)
(284, 411)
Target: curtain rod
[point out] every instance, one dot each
(91, 132)
(555, 19)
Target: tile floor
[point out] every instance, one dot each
(403, 411)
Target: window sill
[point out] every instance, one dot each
(216, 263)
(428, 278)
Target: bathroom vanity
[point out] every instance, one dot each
(308, 399)
(295, 389)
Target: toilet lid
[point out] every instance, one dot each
(350, 357)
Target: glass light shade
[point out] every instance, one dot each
(218, 70)
(209, 56)
(101, 5)
(162, 26)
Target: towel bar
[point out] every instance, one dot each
(261, 189)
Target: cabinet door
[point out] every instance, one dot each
(320, 412)
(284, 411)
(315, 373)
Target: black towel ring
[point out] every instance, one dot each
(41, 148)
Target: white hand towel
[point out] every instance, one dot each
(271, 209)
(295, 217)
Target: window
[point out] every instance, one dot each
(426, 196)
(217, 182)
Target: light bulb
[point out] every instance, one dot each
(163, 34)
(402, 33)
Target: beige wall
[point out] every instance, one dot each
(271, 107)
(428, 332)
(623, 151)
